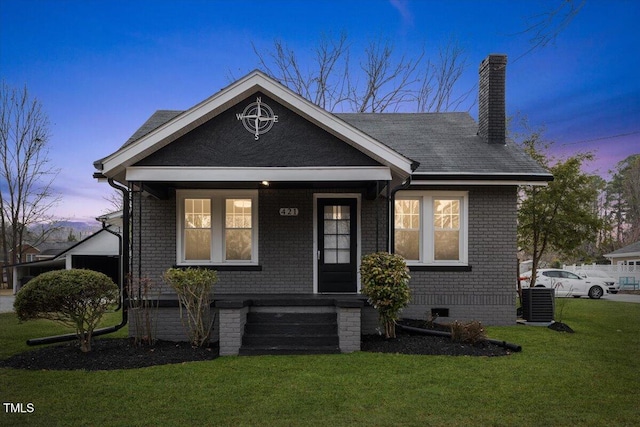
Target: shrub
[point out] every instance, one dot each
(76, 298)
(143, 306)
(385, 281)
(193, 286)
(468, 333)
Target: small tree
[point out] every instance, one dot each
(560, 216)
(76, 298)
(385, 280)
(193, 286)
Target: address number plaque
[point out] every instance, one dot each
(288, 211)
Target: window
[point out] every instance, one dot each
(217, 227)
(431, 227)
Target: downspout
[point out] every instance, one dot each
(124, 273)
(392, 210)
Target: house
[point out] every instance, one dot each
(99, 251)
(283, 198)
(628, 255)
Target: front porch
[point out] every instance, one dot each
(249, 324)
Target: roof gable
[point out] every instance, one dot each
(223, 142)
(136, 150)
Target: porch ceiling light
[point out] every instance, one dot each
(265, 183)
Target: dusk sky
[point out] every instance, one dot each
(101, 68)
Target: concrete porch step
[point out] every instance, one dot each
(291, 328)
(276, 340)
(301, 332)
(287, 350)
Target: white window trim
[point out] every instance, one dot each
(427, 229)
(217, 198)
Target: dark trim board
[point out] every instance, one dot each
(222, 267)
(457, 268)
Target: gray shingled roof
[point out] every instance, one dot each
(443, 143)
(629, 249)
(158, 118)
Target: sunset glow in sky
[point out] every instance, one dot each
(101, 68)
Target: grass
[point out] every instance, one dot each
(587, 378)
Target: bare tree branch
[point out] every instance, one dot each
(26, 193)
(383, 81)
(545, 28)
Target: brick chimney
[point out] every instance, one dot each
(491, 104)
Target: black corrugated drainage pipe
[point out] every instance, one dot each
(124, 273)
(513, 347)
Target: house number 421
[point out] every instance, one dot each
(288, 211)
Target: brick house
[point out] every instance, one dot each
(283, 198)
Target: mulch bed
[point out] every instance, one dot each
(120, 353)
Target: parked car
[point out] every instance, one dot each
(611, 283)
(566, 283)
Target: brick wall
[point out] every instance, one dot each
(491, 99)
(487, 293)
(285, 242)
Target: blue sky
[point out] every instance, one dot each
(101, 68)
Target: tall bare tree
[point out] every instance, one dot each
(382, 80)
(26, 194)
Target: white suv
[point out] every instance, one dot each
(566, 283)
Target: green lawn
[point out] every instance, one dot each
(589, 378)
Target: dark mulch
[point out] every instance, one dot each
(412, 343)
(120, 353)
(108, 354)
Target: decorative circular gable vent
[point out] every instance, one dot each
(257, 118)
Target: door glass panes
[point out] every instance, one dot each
(238, 229)
(197, 229)
(407, 229)
(337, 234)
(446, 222)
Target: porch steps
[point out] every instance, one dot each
(290, 333)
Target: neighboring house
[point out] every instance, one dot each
(100, 252)
(628, 255)
(283, 198)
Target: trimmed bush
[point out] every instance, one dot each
(385, 280)
(76, 298)
(468, 333)
(193, 286)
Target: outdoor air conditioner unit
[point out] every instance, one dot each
(538, 304)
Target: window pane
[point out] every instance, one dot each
(408, 244)
(197, 244)
(330, 257)
(197, 229)
(446, 214)
(238, 245)
(407, 229)
(330, 241)
(330, 226)
(344, 256)
(197, 213)
(447, 245)
(238, 233)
